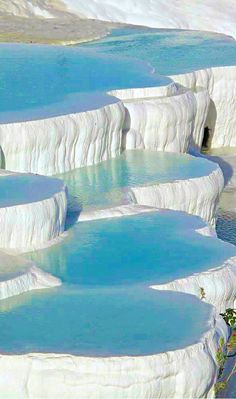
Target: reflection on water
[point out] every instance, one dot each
(106, 184)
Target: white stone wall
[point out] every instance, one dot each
(63, 143)
(221, 85)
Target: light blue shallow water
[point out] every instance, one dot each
(106, 184)
(102, 322)
(147, 249)
(26, 188)
(42, 81)
(169, 51)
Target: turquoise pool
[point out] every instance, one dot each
(146, 249)
(42, 81)
(107, 183)
(102, 322)
(189, 50)
(23, 188)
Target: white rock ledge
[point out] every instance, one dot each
(220, 83)
(197, 196)
(63, 143)
(215, 286)
(30, 225)
(18, 275)
(32, 278)
(118, 211)
(185, 373)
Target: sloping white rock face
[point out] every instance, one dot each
(145, 92)
(202, 99)
(29, 225)
(186, 373)
(18, 275)
(166, 118)
(216, 286)
(162, 124)
(59, 144)
(31, 279)
(221, 85)
(198, 196)
(118, 211)
(208, 15)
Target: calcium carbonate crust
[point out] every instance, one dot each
(31, 225)
(96, 136)
(197, 196)
(63, 143)
(215, 286)
(220, 82)
(185, 373)
(30, 279)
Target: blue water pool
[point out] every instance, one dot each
(26, 188)
(103, 322)
(189, 50)
(146, 249)
(106, 184)
(41, 81)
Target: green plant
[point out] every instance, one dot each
(202, 293)
(221, 356)
(220, 386)
(229, 317)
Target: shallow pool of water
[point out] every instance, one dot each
(145, 249)
(107, 183)
(95, 322)
(27, 188)
(188, 50)
(39, 81)
(42, 81)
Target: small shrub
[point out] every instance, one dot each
(229, 317)
(202, 293)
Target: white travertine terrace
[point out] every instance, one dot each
(162, 124)
(169, 118)
(90, 137)
(18, 275)
(29, 225)
(32, 278)
(118, 211)
(197, 196)
(220, 83)
(185, 373)
(219, 285)
(59, 144)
